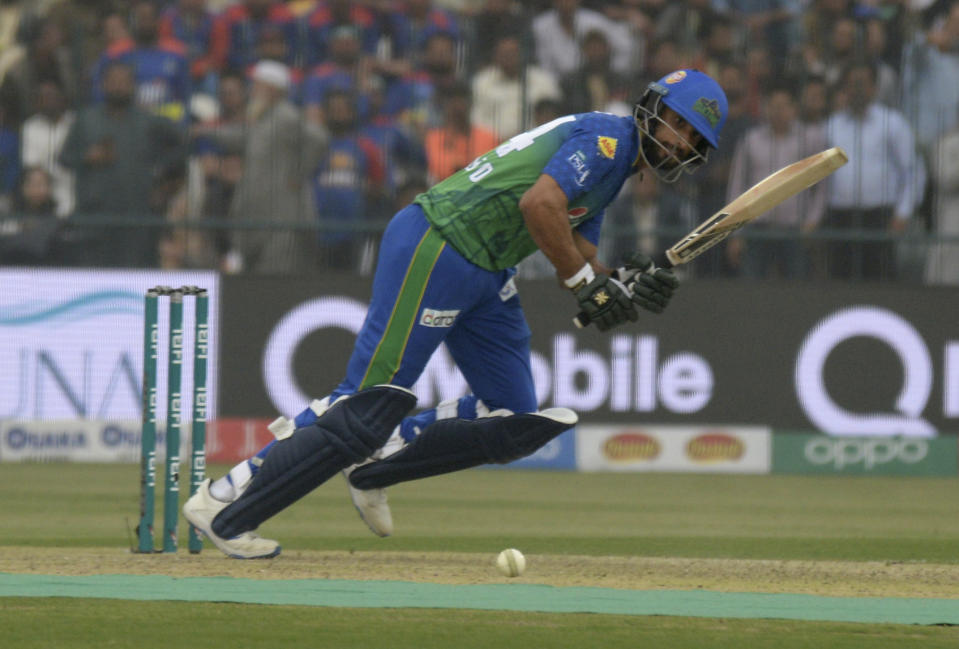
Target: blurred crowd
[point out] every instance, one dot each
(265, 136)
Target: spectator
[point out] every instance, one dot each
(236, 32)
(213, 171)
(9, 163)
(814, 102)
(84, 23)
(116, 149)
(301, 9)
(880, 187)
(347, 188)
(413, 97)
(160, 65)
(414, 23)
(345, 70)
(280, 150)
(683, 25)
(191, 23)
(272, 45)
(457, 142)
(943, 258)
(35, 198)
(404, 156)
(557, 33)
(930, 80)
(546, 110)
(496, 19)
(43, 56)
(887, 88)
(771, 24)
(28, 235)
(899, 21)
(43, 136)
(764, 149)
(330, 15)
(817, 22)
(832, 56)
(499, 91)
(594, 85)
(13, 16)
(665, 57)
(115, 35)
(221, 158)
(719, 45)
(759, 74)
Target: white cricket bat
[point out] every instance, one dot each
(758, 199)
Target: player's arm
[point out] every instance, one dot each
(544, 208)
(589, 251)
(606, 300)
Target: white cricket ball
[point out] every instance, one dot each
(511, 562)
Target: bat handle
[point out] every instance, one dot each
(581, 320)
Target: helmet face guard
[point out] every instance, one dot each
(667, 166)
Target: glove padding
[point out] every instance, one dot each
(651, 291)
(607, 302)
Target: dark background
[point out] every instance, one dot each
(748, 332)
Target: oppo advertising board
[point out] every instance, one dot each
(71, 349)
(844, 359)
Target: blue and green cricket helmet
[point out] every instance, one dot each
(697, 98)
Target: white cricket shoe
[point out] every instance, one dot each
(371, 505)
(202, 508)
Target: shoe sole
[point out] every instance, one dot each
(273, 554)
(276, 552)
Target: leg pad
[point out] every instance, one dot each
(349, 432)
(449, 445)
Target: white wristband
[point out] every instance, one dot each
(583, 276)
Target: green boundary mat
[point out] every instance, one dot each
(511, 597)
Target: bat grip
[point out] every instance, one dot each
(582, 320)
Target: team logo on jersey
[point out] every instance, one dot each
(578, 162)
(435, 318)
(708, 108)
(676, 76)
(577, 212)
(607, 146)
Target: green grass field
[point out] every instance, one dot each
(897, 520)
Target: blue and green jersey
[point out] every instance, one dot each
(476, 210)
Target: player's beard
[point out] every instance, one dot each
(658, 156)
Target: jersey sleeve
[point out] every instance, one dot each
(582, 161)
(591, 227)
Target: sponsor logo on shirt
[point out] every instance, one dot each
(435, 318)
(607, 146)
(578, 162)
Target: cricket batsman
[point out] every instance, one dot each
(445, 274)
